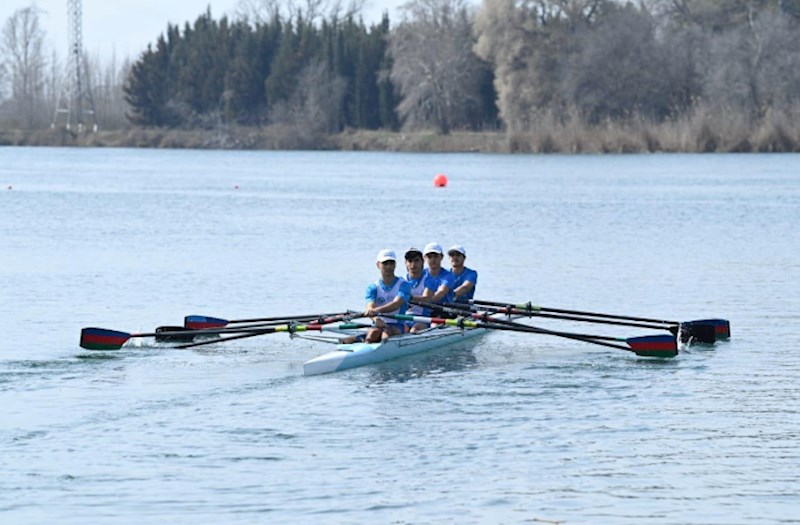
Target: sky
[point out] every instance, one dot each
(124, 27)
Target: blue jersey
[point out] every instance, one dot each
(379, 294)
(444, 278)
(418, 288)
(460, 278)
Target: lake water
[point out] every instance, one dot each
(512, 429)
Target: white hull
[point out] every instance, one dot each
(361, 354)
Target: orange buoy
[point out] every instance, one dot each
(440, 180)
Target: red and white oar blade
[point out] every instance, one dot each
(102, 339)
(202, 322)
(654, 345)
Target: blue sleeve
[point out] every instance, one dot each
(372, 293)
(430, 283)
(450, 281)
(405, 291)
(472, 277)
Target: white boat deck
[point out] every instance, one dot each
(361, 354)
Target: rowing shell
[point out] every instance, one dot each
(362, 354)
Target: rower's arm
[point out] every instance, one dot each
(392, 305)
(440, 294)
(425, 297)
(463, 289)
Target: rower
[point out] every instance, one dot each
(441, 284)
(465, 279)
(417, 278)
(388, 295)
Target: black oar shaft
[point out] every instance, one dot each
(528, 307)
(635, 345)
(221, 340)
(290, 329)
(563, 317)
(307, 317)
(587, 338)
(464, 323)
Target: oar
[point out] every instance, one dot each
(720, 328)
(174, 334)
(645, 346)
(289, 328)
(694, 331)
(200, 322)
(104, 339)
(704, 331)
(516, 311)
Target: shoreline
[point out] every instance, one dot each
(555, 140)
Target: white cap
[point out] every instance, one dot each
(457, 248)
(412, 251)
(433, 247)
(386, 255)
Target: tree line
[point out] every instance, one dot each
(321, 76)
(599, 60)
(517, 65)
(324, 77)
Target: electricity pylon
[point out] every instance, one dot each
(75, 102)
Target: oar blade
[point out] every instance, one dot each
(102, 339)
(173, 334)
(663, 346)
(698, 332)
(202, 322)
(722, 327)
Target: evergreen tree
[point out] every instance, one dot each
(212, 71)
(146, 89)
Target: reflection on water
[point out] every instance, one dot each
(453, 358)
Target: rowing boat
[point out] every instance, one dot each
(361, 354)
(443, 332)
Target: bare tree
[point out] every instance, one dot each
(23, 47)
(316, 103)
(258, 12)
(503, 41)
(106, 83)
(719, 15)
(529, 44)
(756, 66)
(621, 69)
(3, 80)
(434, 67)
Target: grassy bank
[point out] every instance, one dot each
(702, 132)
(268, 138)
